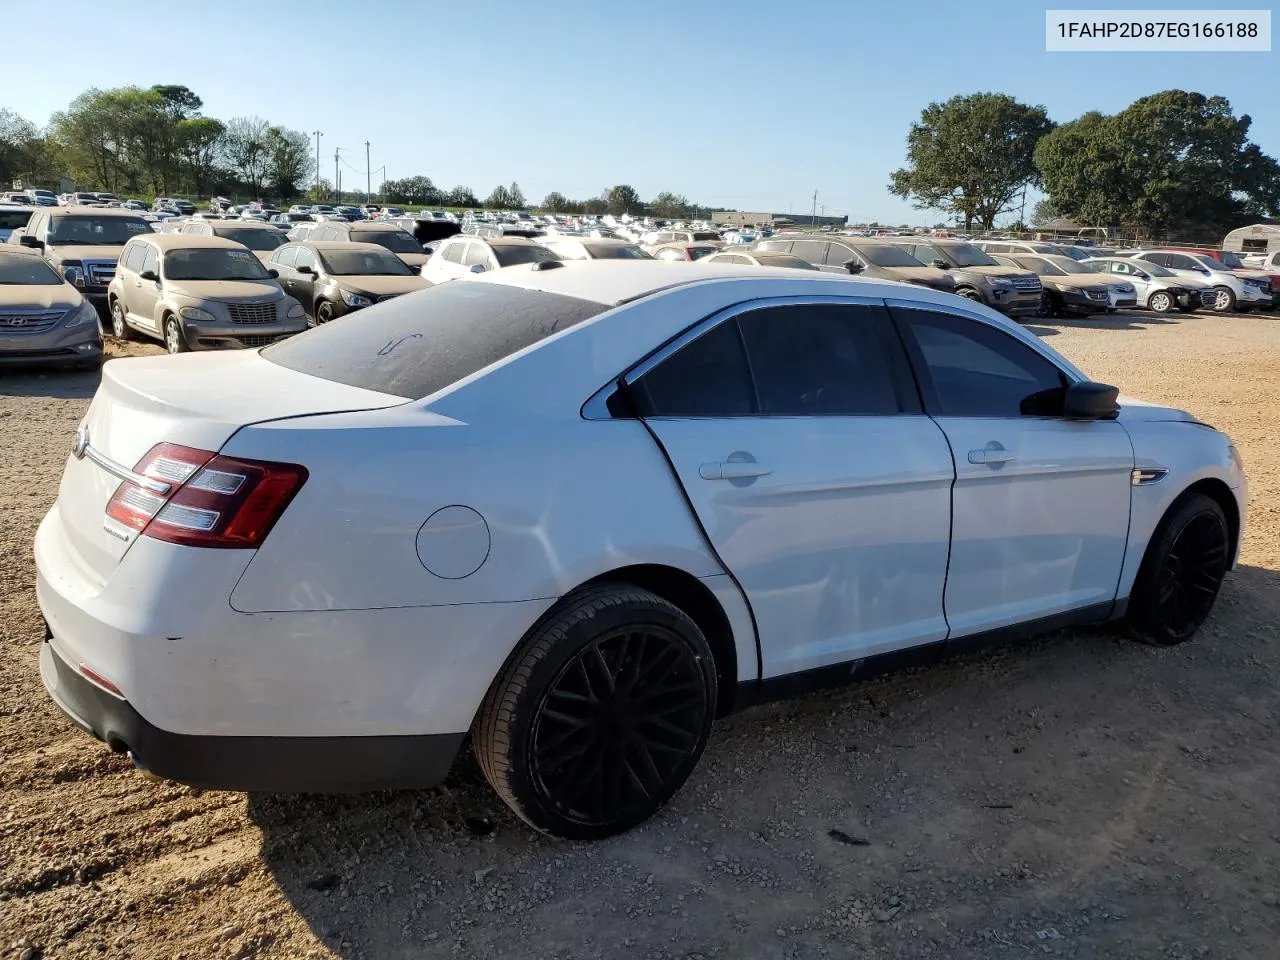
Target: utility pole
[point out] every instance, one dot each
(337, 174)
(317, 133)
(1022, 211)
(813, 217)
(368, 173)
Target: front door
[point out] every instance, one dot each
(1040, 513)
(145, 294)
(798, 437)
(303, 285)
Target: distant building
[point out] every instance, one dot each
(1255, 238)
(738, 218)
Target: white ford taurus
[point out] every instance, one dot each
(578, 510)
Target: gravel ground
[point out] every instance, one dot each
(1075, 796)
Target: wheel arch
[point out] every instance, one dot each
(1221, 494)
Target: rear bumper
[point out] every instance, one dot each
(272, 764)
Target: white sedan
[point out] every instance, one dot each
(580, 510)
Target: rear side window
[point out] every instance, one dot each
(412, 347)
(133, 256)
(285, 256)
(477, 253)
(820, 360)
(151, 259)
(706, 378)
(811, 250)
(452, 252)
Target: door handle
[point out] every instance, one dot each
(992, 455)
(733, 470)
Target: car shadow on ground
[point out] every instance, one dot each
(57, 384)
(1115, 321)
(1029, 746)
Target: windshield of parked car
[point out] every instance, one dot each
(1153, 269)
(13, 220)
(363, 263)
(883, 255)
(213, 264)
(397, 241)
(412, 347)
(1067, 265)
(510, 254)
(104, 231)
(967, 255)
(1041, 267)
(705, 235)
(253, 239)
(26, 271)
(616, 251)
(1230, 260)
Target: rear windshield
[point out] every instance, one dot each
(617, 251)
(413, 346)
(253, 239)
(14, 219)
(705, 235)
(397, 241)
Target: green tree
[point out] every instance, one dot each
(669, 205)
(555, 202)
(1044, 212)
(595, 206)
(23, 155)
(622, 199)
(200, 144)
(321, 191)
(500, 199)
(516, 196)
(462, 197)
(1173, 162)
(971, 155)
(246, 152)
(290, 162)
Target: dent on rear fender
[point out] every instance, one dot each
(563, 502)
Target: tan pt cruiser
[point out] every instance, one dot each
(199, 293)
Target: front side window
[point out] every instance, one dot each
(285, 256)
(477, 253)
(133, 256)
(151, 260)
(811, 250)
(213, 264)
(706, 378)
(978, 371)
(452, 252)
(1230, 260)
(305, 259)
(885, 255)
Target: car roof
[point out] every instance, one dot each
(186, 241)
(613, 282)
(93, 212)
(241, 224)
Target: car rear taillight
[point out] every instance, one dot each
(211, 500)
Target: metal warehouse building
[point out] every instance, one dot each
(737, 218)
(1257, 238)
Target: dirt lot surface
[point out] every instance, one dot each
(1075, 796)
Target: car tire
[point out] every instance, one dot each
(600, 715)
(1225, 301)
(1181, 573)
(1160, 302)
(175, 341)
(969, 294)
(119, 325)
(324, 312)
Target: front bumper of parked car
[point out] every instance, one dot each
(60, 345)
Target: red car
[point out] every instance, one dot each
(1232, 262)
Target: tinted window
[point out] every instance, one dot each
(978, 371)
(248, 236)
(133, 256)
(615, 251)
(477, 253)
(363, 263)
(23, 269)
(811, 250)
(92, 230)
(448, 332)
(777, 246)
(397, 241)
(838, 255)
(1181, 262)
(884, 255)
(452, 252)
(510, 255)
(285, 256)
(151, 260)
(996, 247)
(927, 254)
(819, 360)
(706, 378)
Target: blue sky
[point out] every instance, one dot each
(752, 104)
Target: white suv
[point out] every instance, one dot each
(1234, 291)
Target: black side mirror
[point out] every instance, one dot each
(27, 241)
(310, 271)
(149, 275)
(853, 266)
(1091, 401)
(273, 274)
(940, 264)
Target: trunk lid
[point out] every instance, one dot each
(198, 400)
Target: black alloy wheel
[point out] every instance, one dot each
(324, 312)
(1182, 572)
(601, 716)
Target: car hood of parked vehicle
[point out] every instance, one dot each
(930, 276)
(1082, 281)
(414, 259)
(999, 270)
(380, 286)
(40, 296)
(1131, 408)
(84, 251)
(228, 290)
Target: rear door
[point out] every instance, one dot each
(145, 294)
(1040, 514)
(797, 435)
